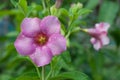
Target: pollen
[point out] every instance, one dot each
(41, 39)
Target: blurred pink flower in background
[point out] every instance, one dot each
(40, 39)
(99, 35)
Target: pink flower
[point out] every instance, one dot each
(40, 39)
(99, 35)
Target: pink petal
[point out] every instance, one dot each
(93, 40)
(42, 56)
(97, 45)
(94, 32)
(30, 26)
(102, 26)
(57, 44)
(50, 25)
(24, 45)
(104, 39)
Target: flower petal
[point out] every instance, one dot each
(30, 26)
(93, 40)
(104, 39)
(102, 26)
(57, 44)
(42, 56)
(50, 25)
(97, 45)
(24, 45)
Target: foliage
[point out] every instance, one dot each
(80, 61)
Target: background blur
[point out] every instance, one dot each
(101, 65)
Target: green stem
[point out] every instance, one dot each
(43, 3)
(37, 69)
(43, 73)
(68, 34)
(38, 72)
(49, 74)
(75, 30)
(84, 30)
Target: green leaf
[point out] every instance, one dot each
(5, 76)
(115, 33)
(53, 10)
(28, 76)
(91, 4)
(75, 75)
(8, 12)
(2, 6)
(63, 15)
(14, 3)
(66, 56)
(84, 11)
(63, 12)
(108, 11)
(56, 65)
(23, 6)
(12, 34)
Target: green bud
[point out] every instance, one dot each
(76, 7)
(53, 10)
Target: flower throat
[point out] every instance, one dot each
(41, 39)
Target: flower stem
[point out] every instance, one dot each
(37, 69)
(49, 74)
(48, 6)
(84, 30)
(43, 3)
(43, 73)
(38, 72)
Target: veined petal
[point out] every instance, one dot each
(57, 44)
(30, 26)
(42, 56)
(24, 45)
(50, 25)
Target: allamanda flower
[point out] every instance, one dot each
(40, 39)
(99, 35)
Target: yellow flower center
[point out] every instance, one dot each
(41, 39)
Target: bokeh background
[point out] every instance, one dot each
(98, 65)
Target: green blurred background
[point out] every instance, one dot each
(98, 65)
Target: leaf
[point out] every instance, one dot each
(115, 33)
(63, 12)
(84, 11)
(12, 34)
(5, 76)
(75, 75)
(66, 57)
(23, 6)
(108, 11)
(91, 4)
(14, 3)
(2, 6)
(28, 76)
(8, 12)
(56, 65)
